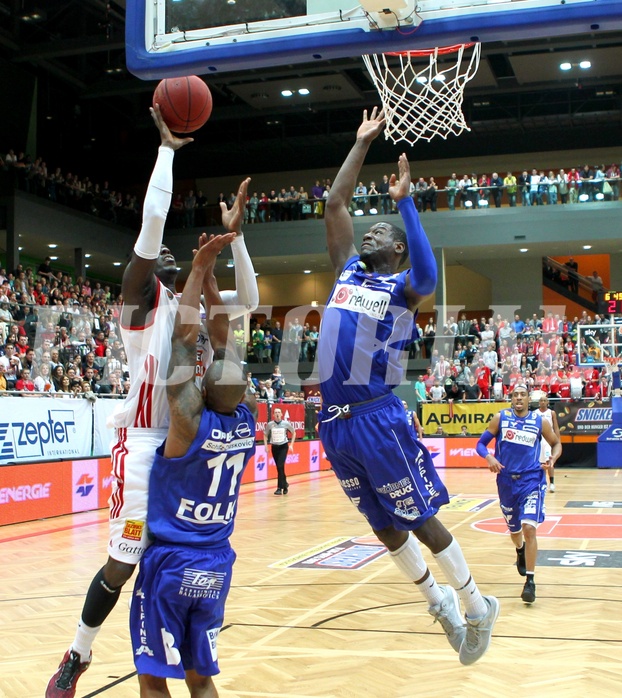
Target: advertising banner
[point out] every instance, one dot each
(40, 490)
(307, 456)
(591, 417)
(102, 434)
(453, 416)
(34, 429)
(294, 413)
(461, 453)
(262, 418)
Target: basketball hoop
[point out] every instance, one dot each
(423, 102)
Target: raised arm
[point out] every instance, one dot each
(421, 281)
(139, 285)
(339, 226)
(184, 398)
(245, 298)
(221, 337)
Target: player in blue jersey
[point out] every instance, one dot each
(185, 575)
(413, 420)
(387, 473)
(521, 478)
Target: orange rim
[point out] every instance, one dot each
(442, 50)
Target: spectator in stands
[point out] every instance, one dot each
(518, 326)
(573, 275)
(430, 195)
(472, 390)
(43, 382)
(511, 188)
(586, 177)
(383, 190)
(12, 364)
(496, 187)
(24, 383)
(421, 393)
(534, 181)
(464, 187)
(452, 189)
(613, 178)
(597, 285)
(437, 391)
(553, 185)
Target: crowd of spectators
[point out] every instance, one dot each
(78, 192)
(59, 336)
(482, 359)
(190, 208)
(62, 336)
(535, 188)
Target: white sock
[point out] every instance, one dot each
(83, 641)
(454, 566)
(410, 561)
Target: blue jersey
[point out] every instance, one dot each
(517, 445)
(365, 328)
(193, 499)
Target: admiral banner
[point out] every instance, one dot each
(452, 417)
(34, 429)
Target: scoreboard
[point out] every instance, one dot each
(612, 301)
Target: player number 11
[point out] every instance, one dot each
(236, 462)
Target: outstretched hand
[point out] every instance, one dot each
(400, 188)
(166, 136)
(232, 219)
(209, 248)
(372, 126)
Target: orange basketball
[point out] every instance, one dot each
(185, 103)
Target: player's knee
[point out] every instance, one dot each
(151, 686)
(391, 537)
(117, 573)
(200, 686)
(529, 532)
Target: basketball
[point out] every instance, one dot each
(185, 103)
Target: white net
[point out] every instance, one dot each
(423, 101)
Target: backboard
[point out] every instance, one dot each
(596, 343)
(167, 38)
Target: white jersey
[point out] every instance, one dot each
(545, 448)
(148, 351)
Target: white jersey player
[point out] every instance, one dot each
(548, 415)
(141, 421)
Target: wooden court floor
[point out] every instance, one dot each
(356, 633)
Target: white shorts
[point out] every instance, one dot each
(545, 451)
(132, 458)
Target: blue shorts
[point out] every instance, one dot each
(178, 608)
(387, 474)
(522, 499)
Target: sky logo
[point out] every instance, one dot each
(84, 485)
